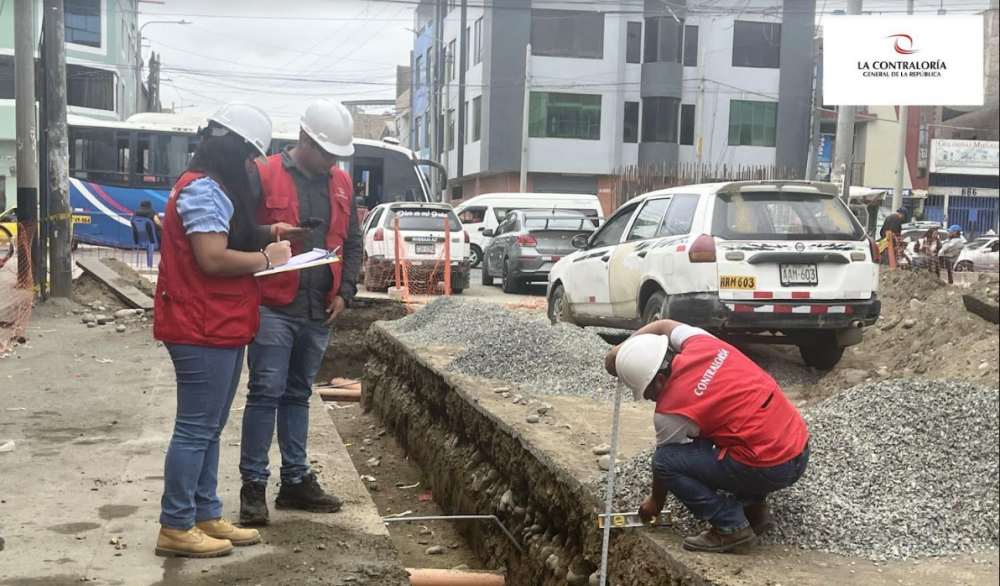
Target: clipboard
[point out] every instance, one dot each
(304, 261)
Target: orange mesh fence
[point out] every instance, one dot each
(414, 280)
(17, 288)
(952, 264)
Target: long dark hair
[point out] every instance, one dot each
(224, 158)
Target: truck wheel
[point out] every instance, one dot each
(559, 307)
(487, 279)
(475, 256)
(822, 354)
(654, 308)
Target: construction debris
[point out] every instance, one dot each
(513, 347)
(899, 469)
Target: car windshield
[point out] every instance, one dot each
(561, 222)
(783, 216)
(423, 219)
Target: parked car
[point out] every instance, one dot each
(785, 259)
(980, 255)
(485, 212)
(421, 227)
(527, 244)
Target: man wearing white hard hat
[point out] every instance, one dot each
(722, 424)
(305, 196)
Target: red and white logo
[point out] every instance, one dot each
(904, 44)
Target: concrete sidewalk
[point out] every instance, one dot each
(91, 412)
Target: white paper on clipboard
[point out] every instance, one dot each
(314, 258)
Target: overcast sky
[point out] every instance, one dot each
(276, 54)
(280, 54)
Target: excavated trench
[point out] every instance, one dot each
(479, 464)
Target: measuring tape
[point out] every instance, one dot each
(626, 520)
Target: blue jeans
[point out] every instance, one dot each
(284, 359)
(207, 379)
(694, 474)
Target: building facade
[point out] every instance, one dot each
(615, 84)
(101, 37)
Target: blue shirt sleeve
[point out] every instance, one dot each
(204, 207)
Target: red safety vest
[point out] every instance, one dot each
(192, 307)
(735, 403)
(281, 204)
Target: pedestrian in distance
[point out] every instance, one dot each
(722, 424)
(299, 308)
(145, 210)
(893, 224)
(205, 313)
(950, 250)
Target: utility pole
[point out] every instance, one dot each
(138, 59)
(27, 133)
(843, 162)
(463, 59)
(449, 140)
(897, 188)
(817, 116)
(699, 115)
(434, 111)
(57, 140)
(525, 126)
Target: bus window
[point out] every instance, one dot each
(162, 158)
(383, 175)
(100, 155)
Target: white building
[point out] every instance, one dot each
(616, 83)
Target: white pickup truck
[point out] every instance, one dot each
(781, 261)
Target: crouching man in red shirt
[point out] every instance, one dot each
(722, 424)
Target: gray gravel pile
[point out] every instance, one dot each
(899, 469)
(505, 345)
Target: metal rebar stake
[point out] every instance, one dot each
(493, 518)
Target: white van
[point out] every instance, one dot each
(485, 212)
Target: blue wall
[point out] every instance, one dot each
(422, 45)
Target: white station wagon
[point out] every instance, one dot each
(775, 261)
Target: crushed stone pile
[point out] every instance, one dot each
(504, 345)
(899, 469)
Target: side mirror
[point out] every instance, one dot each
(580, 241)
(488, 233)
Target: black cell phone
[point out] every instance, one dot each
(311, 223)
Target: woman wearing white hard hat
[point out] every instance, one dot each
(206, 314)
(722, 424)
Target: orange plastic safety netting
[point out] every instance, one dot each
(412, 280)
(17, 289)
(932, 253)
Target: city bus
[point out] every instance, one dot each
(113, 166)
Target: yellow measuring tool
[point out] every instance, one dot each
(626, 520)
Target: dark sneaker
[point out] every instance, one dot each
(714, 542)
(307, 495)
(253, 504)
(760, 519)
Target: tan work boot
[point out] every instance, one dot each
(223, 529)
(714, 542)
(192, 543)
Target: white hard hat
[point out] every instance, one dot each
(248, 121)
(331, 125)
(639, 359)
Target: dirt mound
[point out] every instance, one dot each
(924, 331)
(87, 290)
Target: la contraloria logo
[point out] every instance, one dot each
(904, 44)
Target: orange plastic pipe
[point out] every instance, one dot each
(395, 239)
(447, 256)
(454, 578)
(342, 395)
